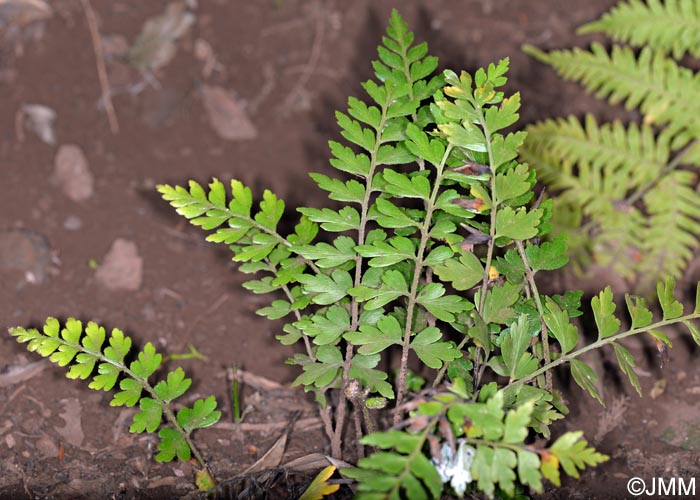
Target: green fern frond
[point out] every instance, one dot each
(617, 236)
(623, 182)
(596, 167)
(664, 91)
(93, 352)
(674, 227)
(672, 26)
(612, 160)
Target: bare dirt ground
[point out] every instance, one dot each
(287, 65)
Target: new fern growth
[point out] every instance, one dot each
(628, 193)
(433, 254)
(92, 349)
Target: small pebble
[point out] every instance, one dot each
(10, 441)
(25, 251)
(72, 223)
(72, 173)
(121, 268)
(46, 447)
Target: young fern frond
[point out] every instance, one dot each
(323, 283)
(83, 351)
(672, 26)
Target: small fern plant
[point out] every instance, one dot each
(627, 194)
(90, 352)
(432, 253)
(433, 256)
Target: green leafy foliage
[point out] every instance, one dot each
(86, 354)
(672, 26)
(492, 451)
(398, 471)
(612, 180)
(202, 414)
(432, 255)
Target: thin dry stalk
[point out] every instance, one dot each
(106, 97)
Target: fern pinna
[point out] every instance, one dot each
(628, 194)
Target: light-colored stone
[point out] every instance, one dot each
(121, 268)
(72, 174)
(46, 447)
(25, 251)
(40, 120)
(226, 115)
(10, 441)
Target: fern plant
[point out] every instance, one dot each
(627, 194)
(432, 254)
(92, 350)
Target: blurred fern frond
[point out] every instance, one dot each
(672, 26)
(630, 188)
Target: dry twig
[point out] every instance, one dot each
(106, 97)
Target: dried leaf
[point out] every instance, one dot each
(471, 204)
(472, 168)
(155, 45)
(17, 374)
(204, 480)
(226, 115)
(72, 432)
(204, 52)
(658, 389)
(271, 458)
(309, 463)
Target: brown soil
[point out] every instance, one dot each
(58, 439)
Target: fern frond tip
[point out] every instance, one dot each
(533, 51)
